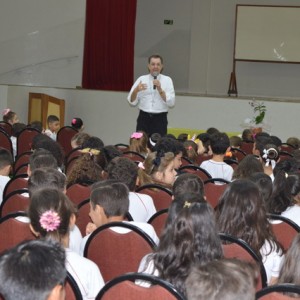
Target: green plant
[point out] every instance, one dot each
(260, 109)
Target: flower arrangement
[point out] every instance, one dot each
(257, 122)
(261, 109)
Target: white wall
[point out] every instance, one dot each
(109, 116)
(41, 44)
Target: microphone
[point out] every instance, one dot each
(155, 74)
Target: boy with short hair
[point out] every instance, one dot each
(6, 163)
(141, 206)
(33, 270)
(109, 202)
(216, 167)
(53, 126)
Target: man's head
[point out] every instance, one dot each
(226, 279)
(33, 270)
(155, 64)
(53, 123)
(6, 162)
(108, 199)
(123, 170)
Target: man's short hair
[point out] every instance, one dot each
(155, 56)
(52, 118)
(227, 279)
(112, 196)
(41, 158)
(31, 270)
(46, 178)
(219, 143)
(124, 170)
(6, 158)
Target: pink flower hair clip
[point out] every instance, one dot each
(74, 121)
(141, 165)
(136, 135)
(6, 111)
(50, 220)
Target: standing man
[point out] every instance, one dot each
(154, 94)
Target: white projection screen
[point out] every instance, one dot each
(267, 33)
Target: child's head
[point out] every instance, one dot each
(190, 150)
(17, 128)
(158, 167)
(247, 135)
(36, 125)
(153, 139)
(51, 214)
(269, 155)
(205, 139)
(41, 158)
(46, 177)
(242, 204)
(293, 141)
(290, 272)
(226, 279)
(41, 141)
(249, 165)
(264, 184)
(109, 199)
(188, 183)
(219, 143)
(190, 239)
(6, 162)
(235, 141)
(94, 143)
(212, 130)
(124, 170)
(77, 124)
(281, 197)
(78, 139)
(33, 270)
(171, 145)
(10, 116)
(85, 169)
(139, 142)
(53, 123)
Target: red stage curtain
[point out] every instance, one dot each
(109, 44)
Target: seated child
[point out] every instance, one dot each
(10, 116)
(77, 124)
(110, 203)
(78, 139)
(141, 206)
(235, 142)
(51, 216)
(158, 168)
(53, 126)
(216, 167)
(33, 270)
(138, 142)
(6, 163)
(16, 129)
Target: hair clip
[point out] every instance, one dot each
(286, 175)
(189, 148)
(136, 135)
(141, 165)
(74, 121)
(6, 111)
(90, 151)
(187, 204)
(50, 220)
